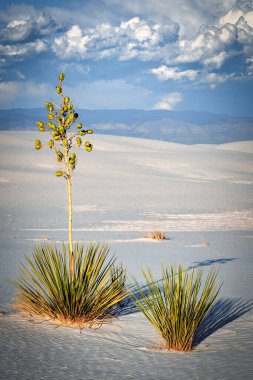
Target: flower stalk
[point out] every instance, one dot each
(65, 141)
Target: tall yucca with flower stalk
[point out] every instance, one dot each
(65, 140)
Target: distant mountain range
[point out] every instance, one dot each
(187, 127)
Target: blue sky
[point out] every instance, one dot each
(143, 54)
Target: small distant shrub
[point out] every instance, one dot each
(156, 235)
(177, 307)
(47, 288)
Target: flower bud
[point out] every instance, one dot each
(87, 143)
(48, 104)
(61, 77)
(51, 143)
(65, 142)
(40, 124)
(52, 126)
(56, 136)
(51, 108)
(61, 129)
(71, 116)
(70, 106)
(89, 148)
(37, 144)
(90, 131)
(59, 156)
(50, 116)
(73, 156)
(79, 141)
(42, 129)
(58, 89)
(66, 99)
(79, 125)
(59, 173)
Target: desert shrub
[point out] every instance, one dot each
(156, 235)
(177, 305)
(46, 287)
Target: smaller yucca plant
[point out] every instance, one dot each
(177, 305)
(46, 287)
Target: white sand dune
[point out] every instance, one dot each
(200, 196)
(239, 146)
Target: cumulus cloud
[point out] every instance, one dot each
(165, 73)
(21, 50)
(189, 14)
(25, 23)
(169, 101)
(72, 42)
(134, 38)
(212, 79)
(210, 48)
(25, 30)
(241, 9)
(173, 37)
(213, 45)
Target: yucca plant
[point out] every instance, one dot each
(46, 287)
(65, 140)
(177, 305)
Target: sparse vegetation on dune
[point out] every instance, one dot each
(46, 288)
(156, 235)
(177, 305)
(71, 286)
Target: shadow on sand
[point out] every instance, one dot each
(206, 263)
(222, 312)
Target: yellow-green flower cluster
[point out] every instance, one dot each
(63, 130)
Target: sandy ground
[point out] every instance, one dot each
(201, 196)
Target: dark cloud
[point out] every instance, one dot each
(26, 24)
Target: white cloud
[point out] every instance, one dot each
(169, 101)
(73, 42)
(164, 73)
(245, 36)
(21, 50)
(144, 40)
(24, 23)
(211, 46)
(236, 13)
(134, 38)
(213, 79)
(214, 44)
(189, 14)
